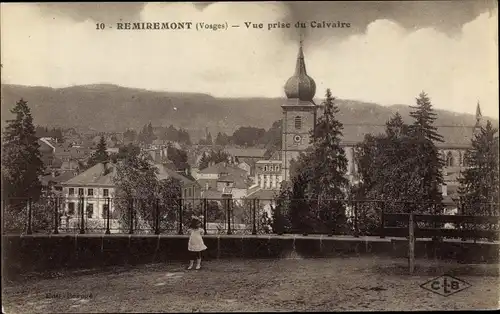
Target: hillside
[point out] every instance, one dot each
(104, 107)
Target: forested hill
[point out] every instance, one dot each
(105, 107)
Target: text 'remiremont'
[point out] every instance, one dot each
(203, 26)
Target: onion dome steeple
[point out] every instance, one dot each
(300, 86)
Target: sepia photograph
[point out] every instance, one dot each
(290, 156)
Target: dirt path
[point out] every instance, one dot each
(250, 285)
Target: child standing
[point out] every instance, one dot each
(195, 244)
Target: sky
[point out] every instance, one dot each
(392, 51)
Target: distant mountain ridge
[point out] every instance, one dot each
(107, 107)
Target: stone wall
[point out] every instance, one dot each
(36, 253)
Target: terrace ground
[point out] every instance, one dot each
(325, 284)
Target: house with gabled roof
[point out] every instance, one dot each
(190, 188)
(95, 185)
(224, 176)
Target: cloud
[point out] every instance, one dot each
(387, 64)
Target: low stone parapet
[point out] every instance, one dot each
(27, 253)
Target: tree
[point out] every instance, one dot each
(479, 191)
(215, 157)
(130, 135)
(172, 134)
(247, 136)
(320, 172)
(127, 151)
(183, 137)
(147, 136)
(426, 158)
(222, 139)
(178, 157)
(272, 138)
(21, 162)
(100, 155)
(169, 193)
(136, 188)
(386, 172)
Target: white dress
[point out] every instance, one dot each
(195, 243)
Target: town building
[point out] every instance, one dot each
(222, 178)
(299, 115)
(190, 189)
(93, 187)
(268, 174)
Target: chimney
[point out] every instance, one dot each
(186, 171)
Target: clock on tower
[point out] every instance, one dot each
(299, 115)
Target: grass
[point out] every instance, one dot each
(336, 284)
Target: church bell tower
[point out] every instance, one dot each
(299, 115)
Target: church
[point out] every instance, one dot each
(299, 115)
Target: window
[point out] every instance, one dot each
(71, 191)
(265, 168)
(90, 210)
(80, 191)
(90, 192)
(105, 209)
(298, 122)
(105, 192)
(71, 208)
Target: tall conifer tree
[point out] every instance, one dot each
(21, 165)
(322, 171)
(479, 191)
(426, 159)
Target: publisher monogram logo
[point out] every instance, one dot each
(445, 285)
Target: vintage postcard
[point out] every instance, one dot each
(249, 156)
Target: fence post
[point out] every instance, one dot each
(254, 222)
(229, 231)
(356, 228)
(29, 230)
(82, 216)
(157, 216)
(107, 216)
(56, 216)
(331, 219)
(131, 215)
(180, 217)
(411, 244)
(205, 216)
(382, 217)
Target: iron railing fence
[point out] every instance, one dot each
(356, 217)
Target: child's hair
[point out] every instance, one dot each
(195, 223)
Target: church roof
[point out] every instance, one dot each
(300, 86)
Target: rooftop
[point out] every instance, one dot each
(164, 173)
(246, 152)
(98, 175)
(223, 167)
